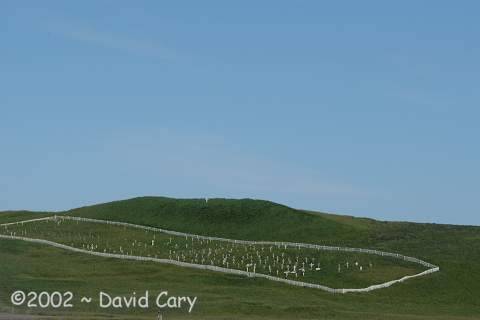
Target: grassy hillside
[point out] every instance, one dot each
(14, 216)
(239, 219)
(451, 293)
(267, 259)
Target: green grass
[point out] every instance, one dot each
(14, 216)
(452, 293)
(337, 269)
(237, 219)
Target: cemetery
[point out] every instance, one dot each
(330, 268)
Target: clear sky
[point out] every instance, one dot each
(368, 108)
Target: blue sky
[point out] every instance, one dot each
(364, 108)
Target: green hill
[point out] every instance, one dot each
(238, 219)
(451, 293)
(14, 216)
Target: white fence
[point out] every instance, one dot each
(432, 268)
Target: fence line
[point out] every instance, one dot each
(432, 268)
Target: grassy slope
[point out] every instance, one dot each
(238, 219)
(14, 216)
(450, 294)
(111, 238)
